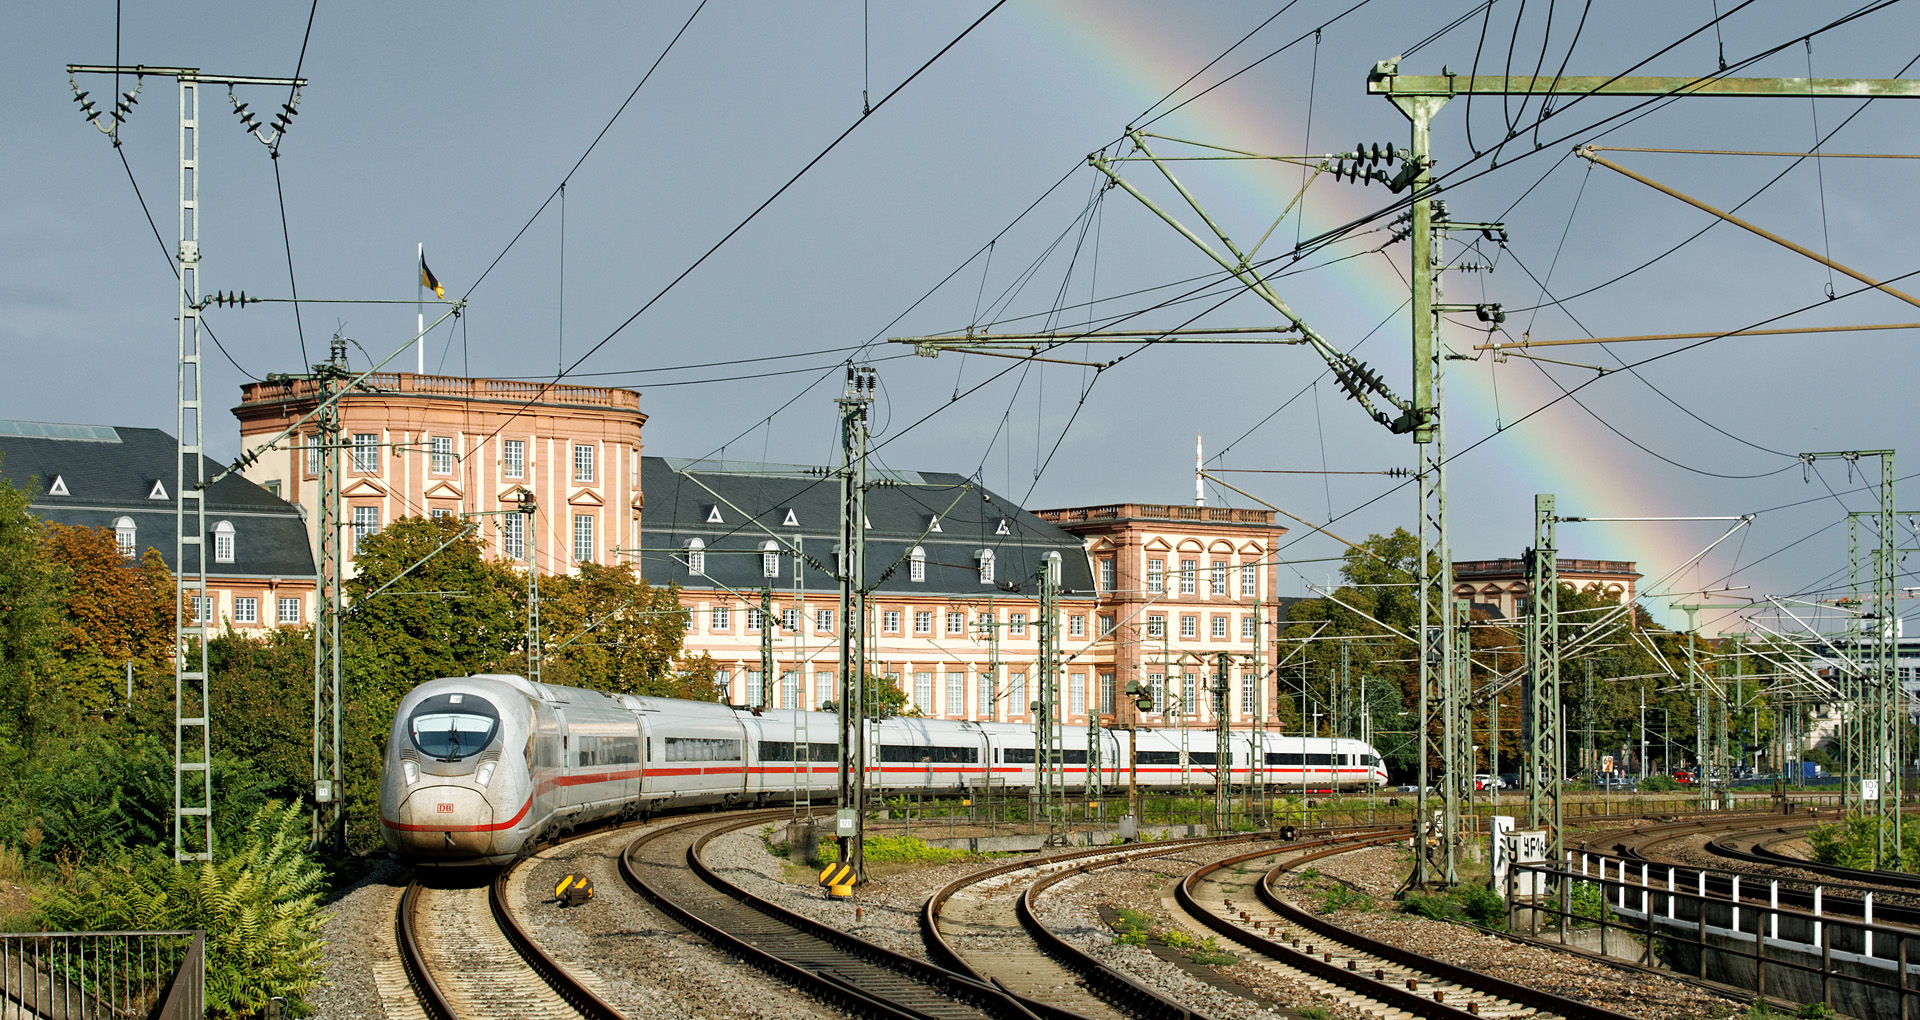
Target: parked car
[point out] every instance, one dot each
(1510, 780)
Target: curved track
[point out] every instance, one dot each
(665, 866)
(986, 925)
(1372, 975)
(468, 959)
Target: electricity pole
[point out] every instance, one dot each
(536, 654)
(1048, 752)
(1222, 749)
(192, 696)
(852, 568)
(328, 822)
(1546, 761)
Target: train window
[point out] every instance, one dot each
(943, 755)
(702, 749)
(1207, 758)
(1074, 755)
(1159, 758)
(782, 750)
(950, 755)
(1019, 756)
(1283, 758)
(449, 729)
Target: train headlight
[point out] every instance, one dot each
(411, 771)
(484, 772)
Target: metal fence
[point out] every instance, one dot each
(1699, 921)
(102, 975)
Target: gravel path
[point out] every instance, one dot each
(361, 961)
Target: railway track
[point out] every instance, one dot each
(1370, 975)
(467, 958)
(665, 866)
(986, 925)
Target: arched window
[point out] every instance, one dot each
(696, 557)
(985, 556)
(917, 565)
(123, 536)
(223, 542)
(770, 559)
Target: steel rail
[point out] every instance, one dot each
(434, 1002)
(821, 959)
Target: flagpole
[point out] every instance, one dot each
(419, 310)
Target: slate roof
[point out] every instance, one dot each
(683, 500)
(109, 472)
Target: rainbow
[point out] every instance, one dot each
(1592, 472)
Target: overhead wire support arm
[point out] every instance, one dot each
(1353, 375)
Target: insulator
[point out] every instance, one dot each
(81, 97)
(1391, 154)
(288, 111)
(1376, 154)
(241, 110)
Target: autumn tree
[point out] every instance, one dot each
(424, 603)
(607, 629)
(114, 610)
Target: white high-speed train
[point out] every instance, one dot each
(479, 769)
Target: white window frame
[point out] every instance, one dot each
(1157, 685)
(1017, 624)
(126, 537)
(1107, 693)
(985, 556)
(720, 618)
(823, 620)
(890, 621)
(696, 557)
(441, 455)
(822, 687)
(223, 542)
(366, 521)
(1247, 626)
(956, 694)
(917, 565)
(1156, 576)
(1189, 576)
(956, 623)
(1076, 626)
(1189, 626)
(755, 620)
(1249, 687)
(288, 610)
(313, 456)
(923, 691)
(1156, 626)
(921, 617)
(1108, 624)
(513, 536)
(246, 609)
(513, 459)
(1017, 694)
(1076, 694)
(583, 463)
(790, 619)
(1249, 581)
(770, 559)
(366, 452)
(1218, 630)
(583, 528)
(1217, 583)
(1107, 574)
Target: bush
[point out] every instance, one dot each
(1339, 897)
(258, 902)
(1658, 783)
(1589, 904)
(1474, 904)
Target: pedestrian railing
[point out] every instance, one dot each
(102, 975)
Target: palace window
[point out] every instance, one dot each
(513, 458)
(1156, 576)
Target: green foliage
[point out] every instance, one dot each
(1659, 783)
(1814, 1011)
(445, 613)
(608, 630)
(899, 850)
(1176, 939)
(1208, 953)
(29, 611)
(1133, 926)
(1588, 903)
(258, 902)
(1340, 897)
(1313, 1012)
(1473, 904)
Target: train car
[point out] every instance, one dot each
(480, 769)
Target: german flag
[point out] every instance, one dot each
(427, 280)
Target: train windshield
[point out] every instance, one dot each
(452, 726)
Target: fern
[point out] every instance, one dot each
(258, 903)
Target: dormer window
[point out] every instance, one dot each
(985, 557)
(917, 565)
(696, 557)
(59, 487)
(770, 559)
(123, 536)
(223, 542)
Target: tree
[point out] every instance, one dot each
(608, 630)
(114, 610)
(29, 608)
(419, 613)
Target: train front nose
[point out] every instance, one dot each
(442, 822)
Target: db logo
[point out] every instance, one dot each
(445, 809)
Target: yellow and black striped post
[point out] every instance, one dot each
(573, 890)
(839, 880)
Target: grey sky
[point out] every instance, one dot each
(449, 124)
